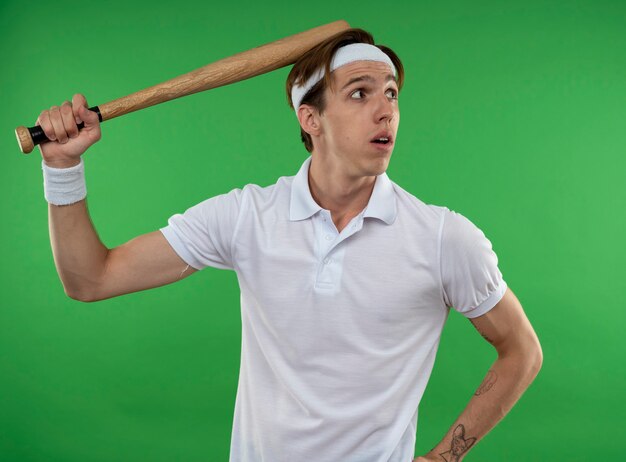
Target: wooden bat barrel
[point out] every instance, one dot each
(235, 68)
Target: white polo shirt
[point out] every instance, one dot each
(339, 330)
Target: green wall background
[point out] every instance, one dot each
(513, 114)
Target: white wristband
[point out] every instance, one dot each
(64, 186)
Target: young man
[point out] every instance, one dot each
(346, 279)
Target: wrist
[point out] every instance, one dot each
(62, 163)
(64, 186)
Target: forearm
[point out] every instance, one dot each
(507, 379)
(79, 255)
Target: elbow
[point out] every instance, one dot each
(81, 294)
(536, 359)
(526, 358)
(83, 289)
(532, 360)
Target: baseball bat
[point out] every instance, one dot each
(235, 68)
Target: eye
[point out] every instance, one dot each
(393, 92)
(360, 90)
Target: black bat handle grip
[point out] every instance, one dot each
(30, 137)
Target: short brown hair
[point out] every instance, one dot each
(321, 56)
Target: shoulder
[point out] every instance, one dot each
(258, 193)
(264, 200)
(416, 208)
(449, 224)
(458, 228)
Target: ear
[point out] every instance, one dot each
(308, 116)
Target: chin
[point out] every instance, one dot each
(378, 166)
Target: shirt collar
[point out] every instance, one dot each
(382, 203)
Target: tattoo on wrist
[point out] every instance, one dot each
(459, 446)
(489, 381)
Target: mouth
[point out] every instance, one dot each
(383, 139)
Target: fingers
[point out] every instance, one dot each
(59, 123)
(79, 100)
(46, 125)
(67, 117)
(53, 122)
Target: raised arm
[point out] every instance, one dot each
(88, 270)
(507, 328)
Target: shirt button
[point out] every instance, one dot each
(328, 237)
(327, 261)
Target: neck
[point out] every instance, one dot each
(345, 196)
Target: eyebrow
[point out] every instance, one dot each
(367, 78)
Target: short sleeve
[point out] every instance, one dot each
(472, 282)
(203, 234)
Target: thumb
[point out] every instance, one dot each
(81, 113)
(90, 118)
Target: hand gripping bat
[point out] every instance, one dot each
(241, 66)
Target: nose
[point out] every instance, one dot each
(386, 109)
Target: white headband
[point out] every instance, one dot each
(344, 55)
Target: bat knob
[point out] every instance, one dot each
(24, 139)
